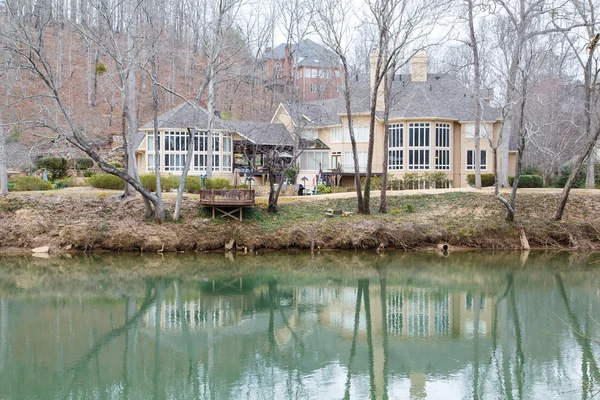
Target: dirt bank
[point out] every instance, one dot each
(70, 222)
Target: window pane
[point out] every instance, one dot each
(150, 143)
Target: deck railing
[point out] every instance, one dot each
(223, 197)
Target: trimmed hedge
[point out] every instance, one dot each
(486, 180)
(217, 183)
(106, 181)
(29, 183)
(528, 181)
(193, 184)
(167, 182)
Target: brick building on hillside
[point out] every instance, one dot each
(312, 68)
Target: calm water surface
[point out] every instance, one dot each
(300, 326)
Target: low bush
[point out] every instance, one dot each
(106, 181)
(411, 180)
(83, 163)
(115, 164)
(486, 180)
(167, 182)
(579, 181)
(528, 181)
(193, 184)
(436, 180)
(217, 183)
(87, 174)
(11, 186)
(322, 189)
(29, 183)
(62, 183)
(395, 184)
(376, 182)
(57, 167)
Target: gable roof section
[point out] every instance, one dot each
(441, 96)
(263, 133)
(186, 115)
(306, 53)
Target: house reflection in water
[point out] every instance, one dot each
(416, 331)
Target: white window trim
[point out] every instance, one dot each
(399, 148)
(443, 147)
(471, 167)
(421, 149)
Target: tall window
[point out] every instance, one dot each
(361, 134)
(328, 74)
(349, 161)
(418, 146)
(396, 150)
(314, 160)
(336, 160)
(313, 88)
(314, 72)
(307, 72)
(336, 135)
(277, 66)
(471, 159)
(470, 130)
(442, 146)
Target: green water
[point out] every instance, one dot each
(300, 326)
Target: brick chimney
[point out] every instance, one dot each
(373, 70)
(418, 67)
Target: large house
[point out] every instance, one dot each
(432, 120)
(248, 141)
(431, 130)
(314, 67)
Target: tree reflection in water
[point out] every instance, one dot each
(475, 334)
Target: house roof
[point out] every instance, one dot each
(264, 133)
(306, 53)
(441, 96)
(187, 116)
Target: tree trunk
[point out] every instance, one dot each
(564, 196)
(477, 86)
(590, 179)
(347, 99)
(211, 117)
(3, 172)
(592, 139)
(387, 84)
(184, 174)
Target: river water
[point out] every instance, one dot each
(301, 326)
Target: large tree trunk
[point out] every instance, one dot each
(347, 100)
(211, 117)
(3, 172)
(590, 179)
(387, 84)
(477, 86)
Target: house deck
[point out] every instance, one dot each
(227, 201)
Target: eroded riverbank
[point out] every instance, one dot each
(462, 219)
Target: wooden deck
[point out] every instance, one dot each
(227, 201)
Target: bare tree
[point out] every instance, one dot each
(3, 171)
(402, 29)
(332, 23)
(477, 88)
(27, 45)
(590, 82)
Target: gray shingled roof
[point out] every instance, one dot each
(186, 115)
(306, 53)
(264, 133)
(441, 96)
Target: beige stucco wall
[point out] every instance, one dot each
(458, 156)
